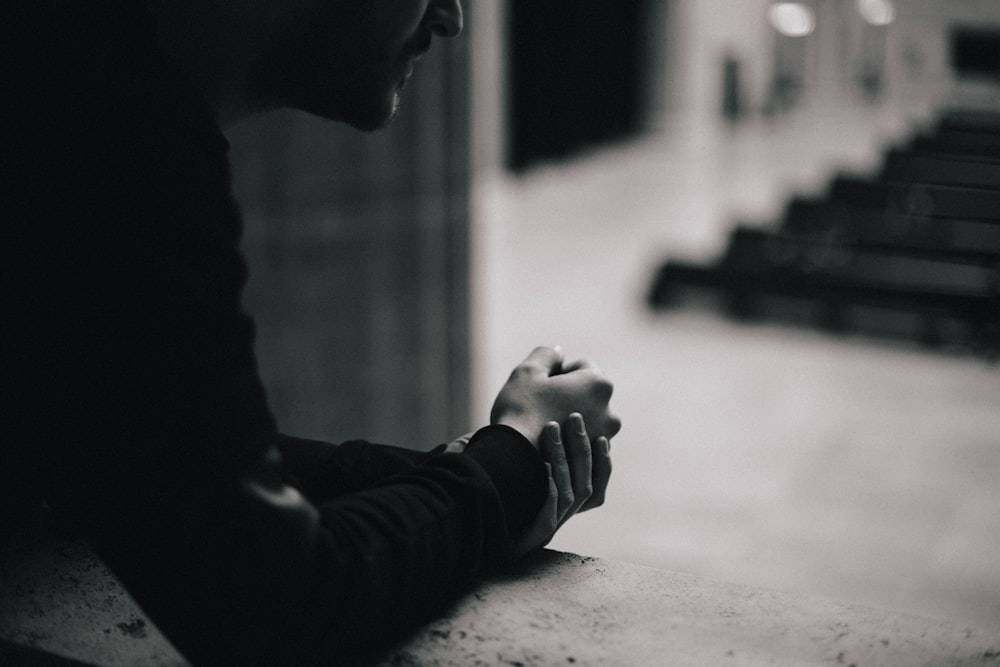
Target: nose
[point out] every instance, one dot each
(445, 17)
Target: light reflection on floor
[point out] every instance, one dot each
(769, 456)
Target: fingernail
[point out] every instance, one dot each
(577, 420)
(554, 432)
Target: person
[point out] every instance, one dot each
(132, 402)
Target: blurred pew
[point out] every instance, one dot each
(911, 253)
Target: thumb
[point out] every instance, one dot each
(546, 359)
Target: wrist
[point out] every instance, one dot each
(516, 470)
(531, 431)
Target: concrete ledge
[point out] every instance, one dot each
(563, 609)
(57, 599)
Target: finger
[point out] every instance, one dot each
(578, 452)
(580, 365)
(545, 524)
(549, 514)
(555, 453)
(612, 426)
(458, 445)
(543, 359)
(588, 377)
(601, 473)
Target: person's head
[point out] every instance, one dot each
(345, 60)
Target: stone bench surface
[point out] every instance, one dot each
(554, 609)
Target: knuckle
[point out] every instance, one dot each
(557, 454)
(520, 371)
(604, 388)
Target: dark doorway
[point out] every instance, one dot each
(975, 52)
(576, 72)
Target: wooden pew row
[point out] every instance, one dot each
(963, 240)
(970, 120)
(969, 148)
(769, 276)
(963, 134)
(912, 253)
(918, 199)
(913, 166)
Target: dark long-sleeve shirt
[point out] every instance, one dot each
(132, 402)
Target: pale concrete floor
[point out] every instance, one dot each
(767, 456)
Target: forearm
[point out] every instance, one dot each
(250, 572)
(322, 471)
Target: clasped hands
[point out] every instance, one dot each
(563, 410)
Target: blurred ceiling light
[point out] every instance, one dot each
(792, 19)
(877, 12)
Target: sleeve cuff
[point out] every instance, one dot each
(516, 470)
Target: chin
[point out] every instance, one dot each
(372, 116)
(379, 116)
